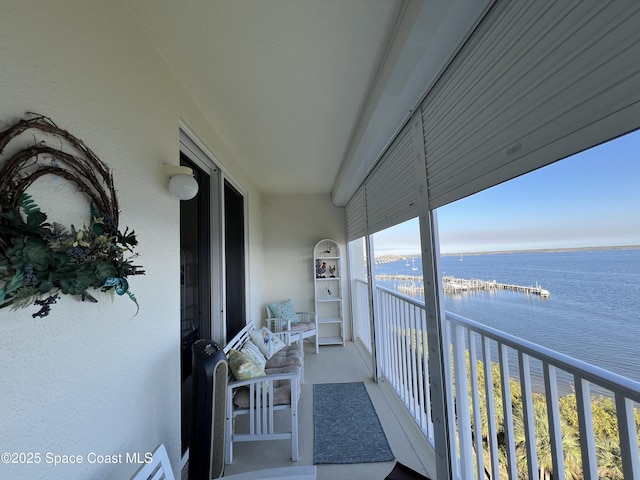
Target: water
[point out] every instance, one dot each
(592, 313)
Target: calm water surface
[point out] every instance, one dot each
(592, 314)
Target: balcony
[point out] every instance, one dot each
(405, 439)
(526, 438)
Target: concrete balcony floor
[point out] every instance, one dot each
(337, 364)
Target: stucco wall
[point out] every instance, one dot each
(293, 224)
(94, 377)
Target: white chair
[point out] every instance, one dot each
(300, 325)
(158, 469)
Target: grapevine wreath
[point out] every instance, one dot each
(41, 260)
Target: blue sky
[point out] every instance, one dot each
(591, 199)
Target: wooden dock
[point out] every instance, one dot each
(413, 285)
(458, 285)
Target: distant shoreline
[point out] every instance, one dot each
(386, 258)
(544, 250)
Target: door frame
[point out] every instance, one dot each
(197, 152)
(207, 163)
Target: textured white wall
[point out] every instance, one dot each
(92, 377)
(293, 224)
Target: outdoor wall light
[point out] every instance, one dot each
(181, 183)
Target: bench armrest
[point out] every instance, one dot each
(275, 377)
(281, 328)
(285, 336)
(262, 392)
(278, 324)
(310, 317)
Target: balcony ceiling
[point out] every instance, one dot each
(306, 93)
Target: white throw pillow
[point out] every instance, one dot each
(254, 353)
(266, 341)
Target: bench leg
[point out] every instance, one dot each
(228, 441)
(294, 421)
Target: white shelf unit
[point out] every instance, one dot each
(327, 269)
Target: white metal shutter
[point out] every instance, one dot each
(356, 216)
(536, 82)
(391, 195)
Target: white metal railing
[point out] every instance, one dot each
(361, 316)
(523, 427)
(496, 437)
(403, 354)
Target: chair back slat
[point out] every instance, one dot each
(159, 468)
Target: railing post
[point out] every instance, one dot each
(585, 425)
(421, 405)
(390, 368)
(475, 397)
(449, 387)
(405, 353)
(413, 338)
(528, 416)
(507, 406)
(628, 437)
(426, 380)
(553, 412)
(491, 408)
(462, 402)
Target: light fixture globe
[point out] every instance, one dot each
(183, 187)
(182, 184)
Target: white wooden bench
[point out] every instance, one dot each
(260, 392)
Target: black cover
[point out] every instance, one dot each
(402, 472)
(209, 367)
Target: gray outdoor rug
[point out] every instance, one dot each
(346, 426)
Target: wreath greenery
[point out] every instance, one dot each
(40, 260)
